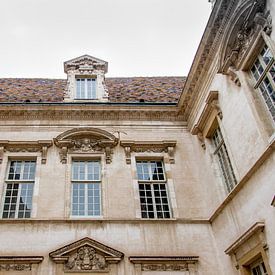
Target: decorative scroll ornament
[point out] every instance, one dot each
(86, 258)
(86, 141)
(166, 146)
(249, 20)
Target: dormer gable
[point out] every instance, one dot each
(86, 79)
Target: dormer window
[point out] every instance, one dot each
(86, 88)
(86, 79)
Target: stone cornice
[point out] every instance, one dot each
(26, 146)
(167, 146)
(205, 54)
(90, 112)
(21, 259)
(161, 259)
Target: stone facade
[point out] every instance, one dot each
(209, 230)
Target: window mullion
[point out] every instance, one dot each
(263, 75)
(153, 199)
(18, 200)
(86, 199)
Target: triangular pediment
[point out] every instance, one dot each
(86, 254)
(86, 62)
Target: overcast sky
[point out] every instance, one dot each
(136, 37)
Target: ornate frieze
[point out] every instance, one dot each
(86, 141)
(165, 263)
(164, 267)
(25, 146)
(166, 146)
(89, 112)
(86, 255)
(19, 263)
(15, 267)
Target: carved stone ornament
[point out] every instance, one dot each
(25, 146)
(15, 267)
(86, 141)
(248, 21)
(86, 64)
(86, 255)
(164, 267)
(18, 263)
(86, 258)
(166, 263)
(165, 146)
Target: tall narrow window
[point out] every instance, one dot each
(19, 189)
(154, 201)
(263, 72)
(86, 188)
(86, 88)
(224, 160)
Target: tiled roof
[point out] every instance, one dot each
(128, 89)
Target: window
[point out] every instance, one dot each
(86, 189)
(19, 189)
(224, 160)
(258, 268)
(153, 192)
(263, 72)
(86, 88)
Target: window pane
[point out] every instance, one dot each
(224, 160)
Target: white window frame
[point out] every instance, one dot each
(86, 182)
(221, 153)
(20, 182)
(151, 183)
(259, 264)
(259, 80)
(86, 93)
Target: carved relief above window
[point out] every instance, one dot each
(25, 146)
(251, 18)
(86, 141)
(165, 146)
(186, 264)
(19, 263)
(86, 255)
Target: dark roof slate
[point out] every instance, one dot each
(128, 89)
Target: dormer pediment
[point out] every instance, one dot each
(86, 255)
(86, 63)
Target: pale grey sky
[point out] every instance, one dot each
(136, 37)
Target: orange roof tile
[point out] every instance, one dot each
(128, 89)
